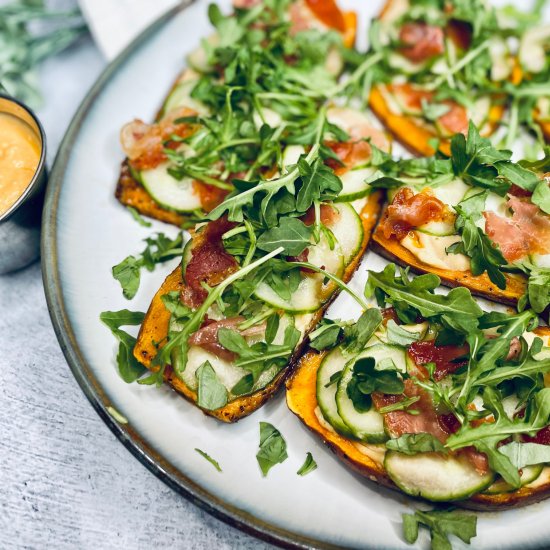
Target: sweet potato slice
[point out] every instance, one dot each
(301, 398)
(130, 192)
(415, 137)
(479, 285)
(155, 328)
(412, 135)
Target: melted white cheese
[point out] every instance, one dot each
(430, 250)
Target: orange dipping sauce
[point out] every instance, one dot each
(20, 151)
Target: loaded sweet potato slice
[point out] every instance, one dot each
(477, 220)
(417, 402)
(227, 326)
(183, 164)
(426, 91)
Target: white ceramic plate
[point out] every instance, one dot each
(86, 232)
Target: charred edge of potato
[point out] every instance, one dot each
(130, 192)
(155, 329)
(301, 398)
(479, 285)
(414, 137)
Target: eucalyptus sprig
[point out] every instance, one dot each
(22, 50)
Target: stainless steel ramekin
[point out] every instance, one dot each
(20, 225)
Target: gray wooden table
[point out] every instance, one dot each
(65, 481)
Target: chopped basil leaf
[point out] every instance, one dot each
(411, 444)
(399, 335)
(211, 393)
(308, 466)
(272, 448)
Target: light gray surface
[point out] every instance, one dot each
(66, 482)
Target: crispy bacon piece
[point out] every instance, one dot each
(209, 262)
(328, 215)
(444, 357)
(526, 232)
(421, 41)
(207, 336)
(144, 143)
(408, 211)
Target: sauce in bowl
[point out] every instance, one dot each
(20, 150)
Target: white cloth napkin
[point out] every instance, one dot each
(114, 23)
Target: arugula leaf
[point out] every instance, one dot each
(366, 379)
(138, 217)
(399, 335)
(357, 335)
(485, 256)
(211, 393)
(413, 297)
(318, 181)
(541, 196)
(158, 250)
(129, 368)
(326, 335)
(538, 288)
(441, 524)
(487, 436)
(308, 466)
(293, 235)
(210, 459)
(412, 444)
(272, 448)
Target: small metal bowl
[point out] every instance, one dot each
(20, 225)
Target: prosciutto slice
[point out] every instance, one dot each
(526, 232)
(408, 211)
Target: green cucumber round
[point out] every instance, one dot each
(528, 475)
(435, 477)
(326, 395)
(173, 194)
(365, 426)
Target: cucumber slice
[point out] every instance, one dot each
(438, 229)
(380, 352)
(528, 475)
(435, 477)
(452, 192)
(181, 95)
(186, 256)
(168, 191)
(367, 426)
(401, 63)
(348, 231)
(326, 396)
(306, 298)
(354, 185)
(312, 291)
(198, 58)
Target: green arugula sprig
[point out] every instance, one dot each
(159, 249)
(441, 524)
